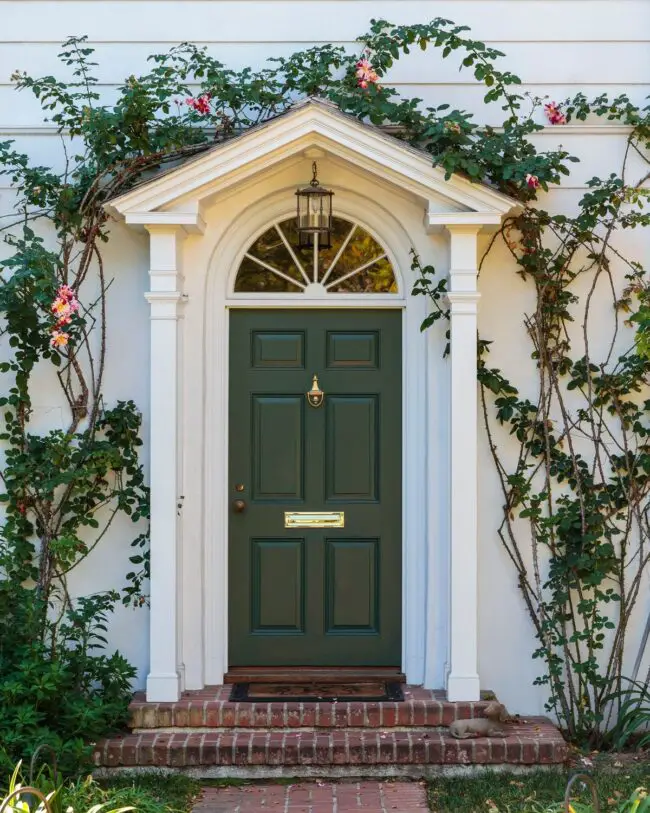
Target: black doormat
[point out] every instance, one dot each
(313, 692)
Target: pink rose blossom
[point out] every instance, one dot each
(365, 73)
(59, 338)
(66, 292)
(532, 181)
(554, 114)
(64, 306)
(201, 104)
(63, 310)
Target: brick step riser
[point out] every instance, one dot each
(536, 743)
(211, 715)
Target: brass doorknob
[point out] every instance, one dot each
(239, 506)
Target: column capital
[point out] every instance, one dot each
(463, 266)
(167, 228)
(463, 228)
(166, 259)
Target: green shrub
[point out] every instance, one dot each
(56, 685)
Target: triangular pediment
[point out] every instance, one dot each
(178, 195)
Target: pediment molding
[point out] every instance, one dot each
(176, 197)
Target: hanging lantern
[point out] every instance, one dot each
(314, 214)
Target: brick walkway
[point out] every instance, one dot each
(316, 797)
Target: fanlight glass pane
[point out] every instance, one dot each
(252, 277)
(354, 263)
(377, 278)
(304, 255)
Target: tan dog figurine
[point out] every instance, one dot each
(489, 726)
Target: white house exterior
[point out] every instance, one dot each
(177, 244)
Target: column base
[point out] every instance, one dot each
(463, 688)
(164, 688)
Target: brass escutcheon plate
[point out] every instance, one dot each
(314, 519)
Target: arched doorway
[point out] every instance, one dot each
(315, 528)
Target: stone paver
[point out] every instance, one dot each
(316, 797)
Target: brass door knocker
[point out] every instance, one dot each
(315, 396)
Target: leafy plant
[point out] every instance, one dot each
(637, 802)
(632, 725)
(31, 799)
(148, 793)
(57, 687)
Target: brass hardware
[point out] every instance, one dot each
(239, 487)
(310, 519)
(315, 395)
(239, 506)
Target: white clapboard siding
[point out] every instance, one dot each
(582, 63)
(334, 20)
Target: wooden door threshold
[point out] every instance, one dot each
(311, 674)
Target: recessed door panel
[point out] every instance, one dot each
(353, 349)
(278, 349)
(352, 578)
(277, 447)
(315, 488)
(278, 589)
(352, 441)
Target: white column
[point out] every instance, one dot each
(166, 283)
(462, 679)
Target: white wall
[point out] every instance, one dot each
(558, 47)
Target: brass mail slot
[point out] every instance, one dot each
(319, 519)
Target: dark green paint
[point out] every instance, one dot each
(315, 597)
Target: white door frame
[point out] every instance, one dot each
(439, 582)
(219, 301)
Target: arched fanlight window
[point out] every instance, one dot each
(354, 263)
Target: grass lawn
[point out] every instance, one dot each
(148, 793)
(542, 790)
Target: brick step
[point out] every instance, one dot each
(210, 708)
(534, 741)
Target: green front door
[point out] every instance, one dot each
(315, 596)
